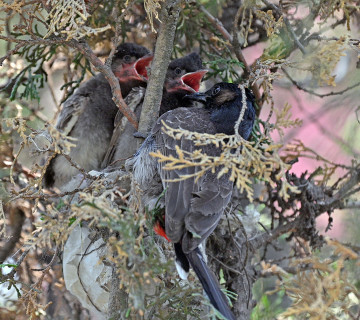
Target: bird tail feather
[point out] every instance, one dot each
(210, 283)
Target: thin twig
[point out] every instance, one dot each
(237, 49)
(118, 28)
(216, 23)
(110, 77)
(79, 275)
(320, 95)
(312, 118)
(224, 265)
(76, 166)
(11, 274)
(344, 19)
(84, 48)
(327, 205)
(50, 263)
(287, 24)
(23, 43)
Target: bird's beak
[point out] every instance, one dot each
(134, 71)
(193, 79)
(189, 82)
(197, 96)
(141, 66)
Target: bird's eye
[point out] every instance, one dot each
(216, 90)
(127, 58)
(178, 70)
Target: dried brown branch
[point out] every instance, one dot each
(217, 24)
(75, 165)
(50, 263)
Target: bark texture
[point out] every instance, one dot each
(150, 110)
(164, 46)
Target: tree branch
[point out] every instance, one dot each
(149, 114)
(164, 46)
(353, 181)
(110, 77)
(320, 204)
(320, 95)
(84, 48)
(216, 23)
(287, 24)
(118, 19)
(236, 46)
(22, 43)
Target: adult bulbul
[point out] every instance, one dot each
(194, 206)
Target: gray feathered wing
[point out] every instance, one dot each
(193, 208)
(88, 115)
(70, 112)
(123, 143)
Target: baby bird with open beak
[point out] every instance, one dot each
(88, 115)
(183, 77)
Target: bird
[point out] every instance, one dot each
(88, 115)
(193, 207)
(183, 76)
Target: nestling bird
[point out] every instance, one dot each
(88, 115)
(183, 76)
(193, 208)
